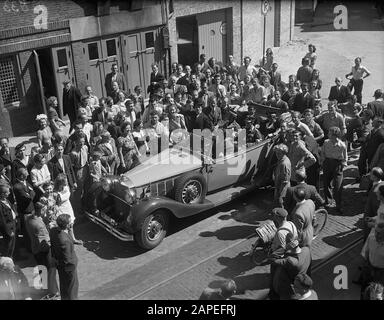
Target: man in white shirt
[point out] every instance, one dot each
(156, 130)
(246, 68)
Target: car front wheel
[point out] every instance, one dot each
(153, 230)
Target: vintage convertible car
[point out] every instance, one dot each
(180, 181)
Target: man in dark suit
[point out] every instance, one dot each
(205, 97)
(310, 192)
(277, 102)
(25, 197)
(7, 223)
(112, 77)
(302, 216)
(275, 76)
(63, 251)
(6, 156)
(303, 100)
(41, 248)
(157, 79)
(61, 163)
(339, 92)
(202, 120)
(100, 114)
(186, 80)
(377, 106)
(71, 101)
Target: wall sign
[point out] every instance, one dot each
(265, 7)
(223, 28)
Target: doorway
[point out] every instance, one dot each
(47, 72)
(187, 40)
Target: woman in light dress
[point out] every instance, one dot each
(64, 205)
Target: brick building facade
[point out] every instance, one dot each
(44, 42)
(233, 27)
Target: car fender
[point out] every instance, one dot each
(144, 208)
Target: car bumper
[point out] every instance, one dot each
(121, 235)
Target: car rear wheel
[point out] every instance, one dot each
(191, 188)
(153, 230)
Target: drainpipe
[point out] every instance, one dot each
(241, 32)
(40, 80)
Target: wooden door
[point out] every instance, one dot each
(133, 61)
(63, 66)
(95, 75)
(212, 34)
(111, 54)
(148, 55)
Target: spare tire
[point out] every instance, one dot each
(191, 188)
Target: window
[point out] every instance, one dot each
(149, 40)
(62, 58)
(93, 51)
(111, 47)
(8, 80)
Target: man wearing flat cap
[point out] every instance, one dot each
(296, 261)
(71, 101)
(377, 106)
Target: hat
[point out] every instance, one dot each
(66, 81)
(280, 212)
(19, 146)
(378, 93)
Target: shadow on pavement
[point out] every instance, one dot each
(109, 248)
(230, 233)
(342, 239)
(235, 266)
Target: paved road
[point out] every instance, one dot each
(204, 250)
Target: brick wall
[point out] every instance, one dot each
(247, 37)
(192, 7)
(20, 120)
(57, 11)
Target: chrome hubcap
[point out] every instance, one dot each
(191, 192)
(155, 227)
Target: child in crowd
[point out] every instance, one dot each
(96, 169)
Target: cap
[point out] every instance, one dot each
(280, 212)
(378, 93)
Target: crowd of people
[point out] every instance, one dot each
(42, 191)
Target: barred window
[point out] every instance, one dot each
(8, 81)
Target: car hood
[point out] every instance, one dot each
(169, 163)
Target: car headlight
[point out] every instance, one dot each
(132, 195)
(146, 193)
(106, 184)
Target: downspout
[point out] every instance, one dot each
(290, 21)
(40, 80)
(241, 31)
